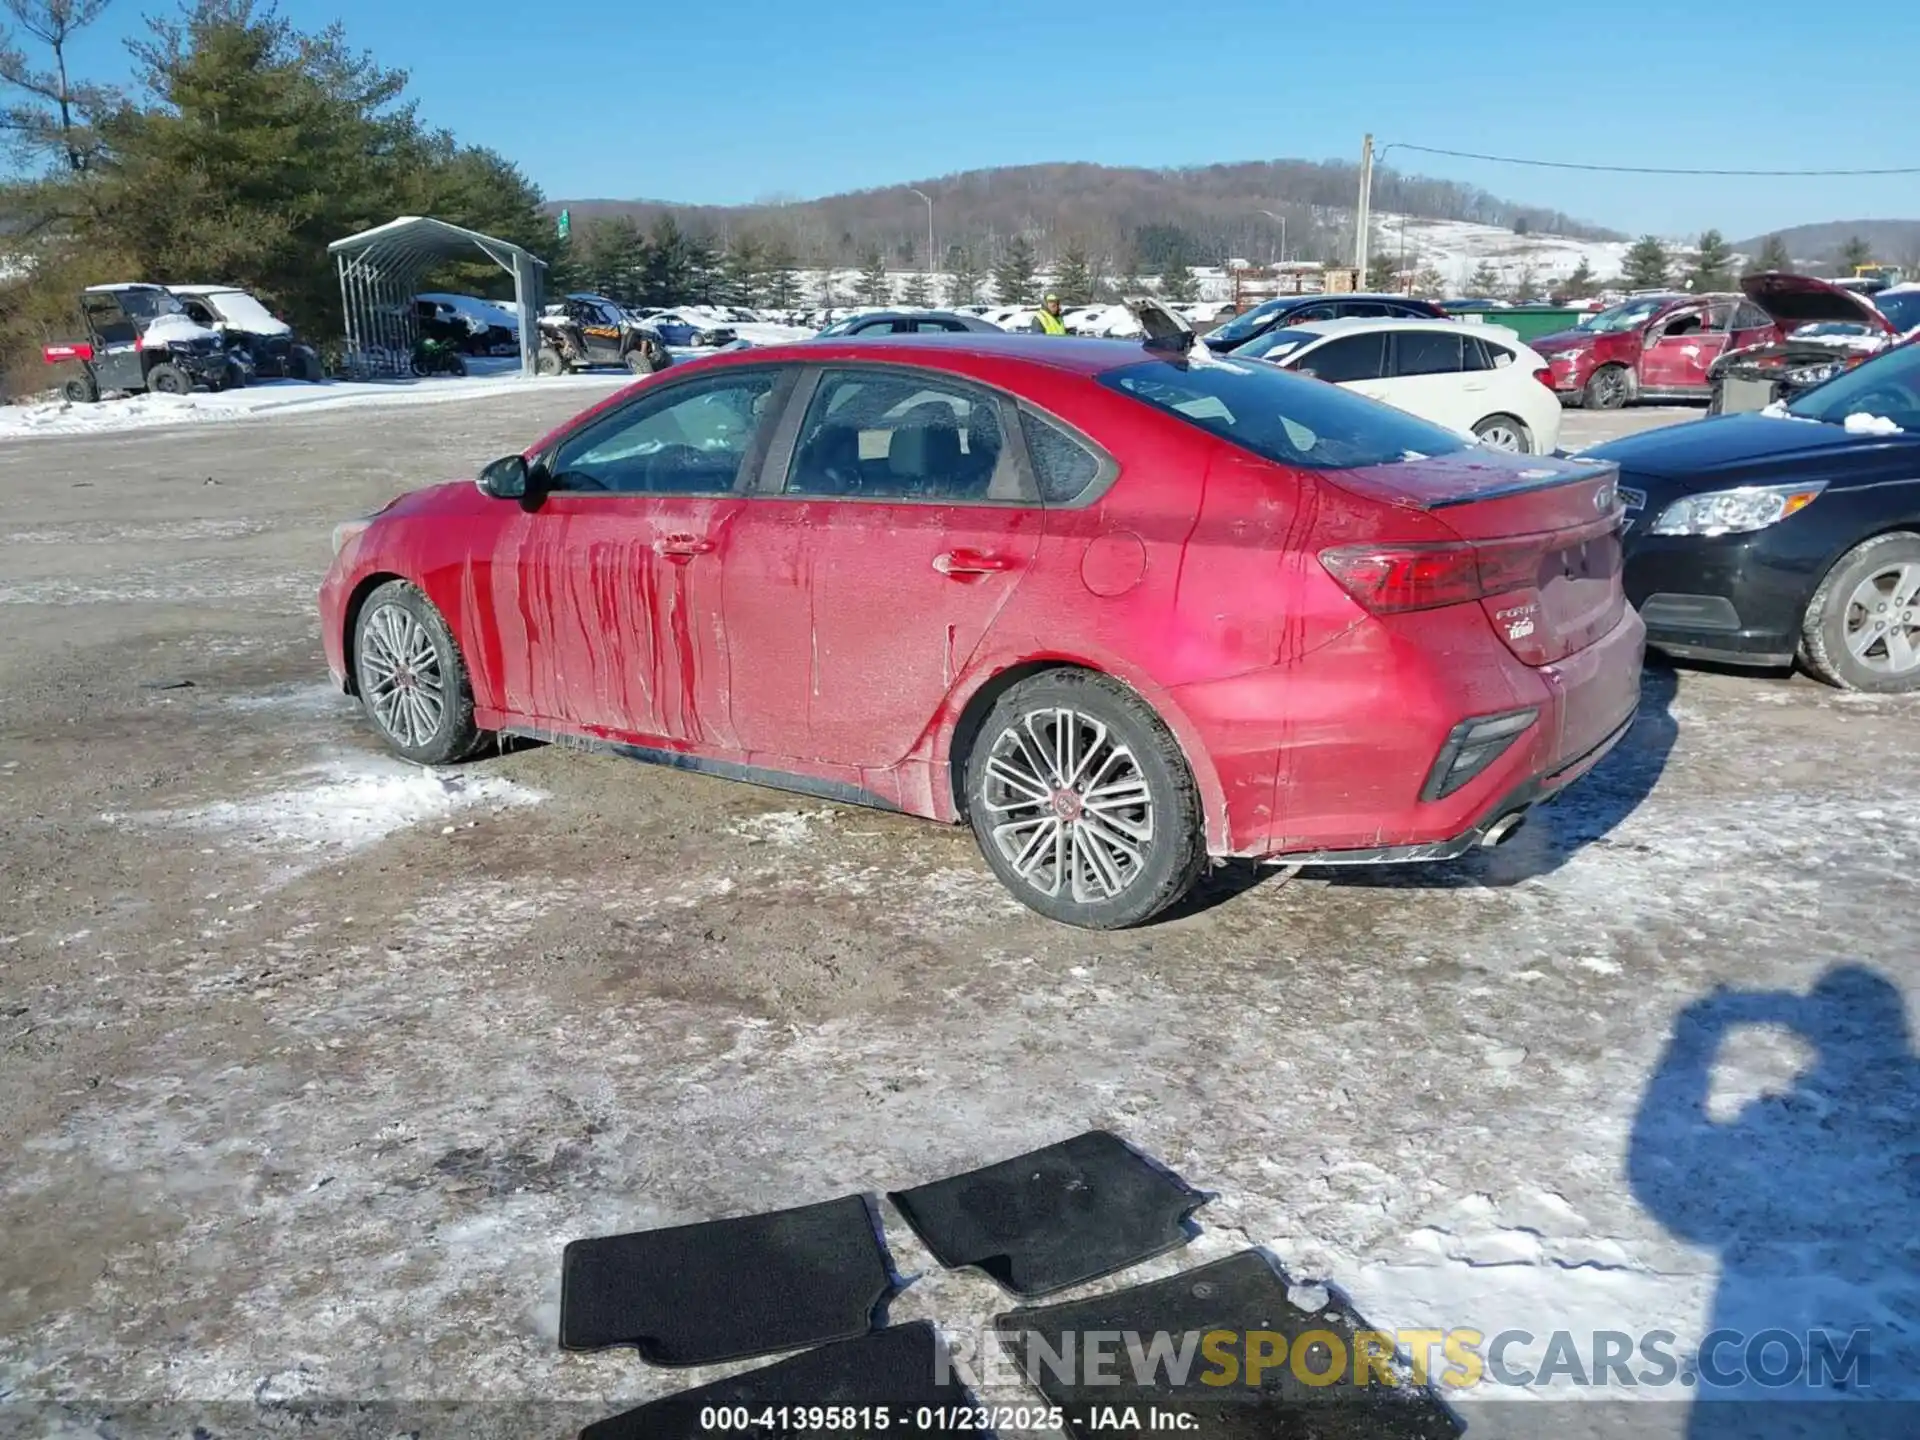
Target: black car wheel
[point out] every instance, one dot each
(81, 390)
(1606, 389)
(640, 361)
(1862, 627)
(548, 362)
(412, 680)
(165, 379)
(1082, 802)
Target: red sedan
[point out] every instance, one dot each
(1118, 609)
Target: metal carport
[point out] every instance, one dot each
(381, 270)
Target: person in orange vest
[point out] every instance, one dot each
(1048, 321)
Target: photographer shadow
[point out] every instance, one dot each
(1811, 1199)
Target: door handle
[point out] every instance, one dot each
(683, 547)
(967, 562)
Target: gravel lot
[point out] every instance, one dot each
(311, 1062)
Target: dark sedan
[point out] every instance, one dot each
(1789, 535)
(1305, 309)
(910, 322)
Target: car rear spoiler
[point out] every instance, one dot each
(1166, 332)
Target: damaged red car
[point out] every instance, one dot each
(1119, 608)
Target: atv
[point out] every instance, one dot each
(262, 343)
(140, 339)
(437, 357)
(585, 331)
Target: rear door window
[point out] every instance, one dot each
(899, 434)
(1426, 352)
(1347, 359)
(1066, 469)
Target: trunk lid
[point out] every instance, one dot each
(1547, 532)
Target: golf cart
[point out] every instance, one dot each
(140, 338)
(588, 330)
(255, 336)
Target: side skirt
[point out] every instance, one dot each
(839, 790)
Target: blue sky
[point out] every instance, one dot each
(738, 100)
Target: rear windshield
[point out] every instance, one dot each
(1282, 417)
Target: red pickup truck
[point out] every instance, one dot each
(1660, 347)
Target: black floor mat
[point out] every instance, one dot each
(1053, 1218)
(900, 1370)
(727, 1289)
(1241, 1295)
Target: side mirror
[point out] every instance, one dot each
(506, 478)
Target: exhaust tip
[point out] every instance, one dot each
(1503, 829)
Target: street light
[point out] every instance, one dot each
(1283, 232)
(929, 199)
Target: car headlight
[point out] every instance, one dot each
(1736, 512)
(1814, 374)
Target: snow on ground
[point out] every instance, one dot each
(138, 412)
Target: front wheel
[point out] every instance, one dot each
(1082, 802)
(412, 680)
(1861, 630)
(549, 362)
(165, 379)
(81, 390)
(1606, 389)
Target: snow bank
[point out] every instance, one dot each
(140, 412)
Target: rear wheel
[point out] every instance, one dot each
(165, 379)
(1861, 630)
(412, 679)
(548, 362)
(1082, 802)
(1503, 432)
(1606, 389)
(81, 390)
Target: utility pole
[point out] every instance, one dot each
(1363, 217)
(1282, 220)
(929, 199)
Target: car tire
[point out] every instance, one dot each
(1107, 869)
(548, 362)
(639, 361)
(1606, 389)
(1508, 426)
(81, 390)
(1845, 633)
(411, 677)
(165, 379)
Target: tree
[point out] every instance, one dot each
(1177, 282)
(1484, 281)
(609, 257)
(876, 286)
(1013, 277)
(1074, 284)
(1712, 264)
(1582, 283)
(1647, 264)
(1526, 288)
(1773, 256)
(49, 117)
(1428, 281)
(964, 275)
(918, 290)
(743, 271)
(1855, 253)
(1383, 273)
(782, 273)
(668, 272)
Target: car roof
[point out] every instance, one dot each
(1320, 297)
(1082, 355)
(123, 285)
(205, 289)
(1350, 324)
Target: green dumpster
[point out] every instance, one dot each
(1529, 322)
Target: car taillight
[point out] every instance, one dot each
(1389, 579)
(1545, 376)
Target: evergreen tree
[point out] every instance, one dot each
(964, 276)
(782, 272)
(743, 271)
(1855, 253)
(1582, 283)
(1773, 256)
(1383, 273)
(1074, 284)
(1712, 265)
(1484, 283)
(667, 276)
(876, 286)
(917, 291)
(610, 256)
(705, 274)
(46, 113)
(1177, 283)
(1526, 289)
(1013, 277)
(1647, 264)
(1428, 281)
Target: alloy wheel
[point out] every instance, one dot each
(1883, 620)
(401, 675)
(1069, 808)
(1501, 437)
